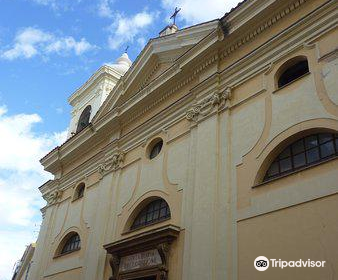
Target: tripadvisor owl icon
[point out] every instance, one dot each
(261, 263)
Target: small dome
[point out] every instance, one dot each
(122, 64)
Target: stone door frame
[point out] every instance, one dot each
(159, 239)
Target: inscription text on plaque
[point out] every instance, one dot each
(140, 260)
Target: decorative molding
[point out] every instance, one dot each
(53, 197)
(270, 68)
(284, 44)
(222, 30)
(207, 105)
(163, 249)
(74, 112)
(113, 163)
(328, 56)
(103, 71)
(77, 174)
(147, 79)
(179, 85)
(43, 212)
(234, 71)
(159, 239)
(206, 64)
(195, 34)
(114, 262)
(151, 87)
(157, 101)
(267, 24)
(309, 46)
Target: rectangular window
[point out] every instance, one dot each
(299, 160)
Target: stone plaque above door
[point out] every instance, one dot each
(143, 255)
(140, 260)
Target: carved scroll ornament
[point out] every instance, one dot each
(113, 163)
(53, 197)
(163, 250)
(114, 262)
(207, 105)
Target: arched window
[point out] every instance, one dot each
(84, 118)
(154, 212)
(79, 191)
(292, 70)
(304, 152)
(73, 243)
(155, 148)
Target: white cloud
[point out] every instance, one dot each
(104, 9)
(142, 42)
(125, 29)
(57, 4)
(14, 253)
(19, 198)
(31, 41)
(197, 11)
(59, 110)
(20, 176)
(27, 43)
(68, 43)
(19, 136)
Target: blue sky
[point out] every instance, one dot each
(48, 48)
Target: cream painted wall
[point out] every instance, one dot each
(215, 149)
(304, 231)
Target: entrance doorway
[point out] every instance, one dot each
(143, 256)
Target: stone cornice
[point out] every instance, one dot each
(47, 186)
(51, 192)
(247, 11)
(104, 162)
(80, 173)
(103, 71)
(151, 47)
(156, 125)
(209, 40)
(202, 94)
(149, 76)
(49, 160)
(253, 63)
(262, 27)
(132, 102)
(139, 241)
(154, 47)
(294, 37)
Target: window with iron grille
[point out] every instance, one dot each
(156, 211)
(304, 152)
(72, 244)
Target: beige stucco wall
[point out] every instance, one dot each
(211, 166)
(304, 231)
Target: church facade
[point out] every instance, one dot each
(218, 145)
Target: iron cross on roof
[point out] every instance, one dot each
(174, 15)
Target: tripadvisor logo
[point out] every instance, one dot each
(262, 263)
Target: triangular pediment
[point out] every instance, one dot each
(158, 56)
